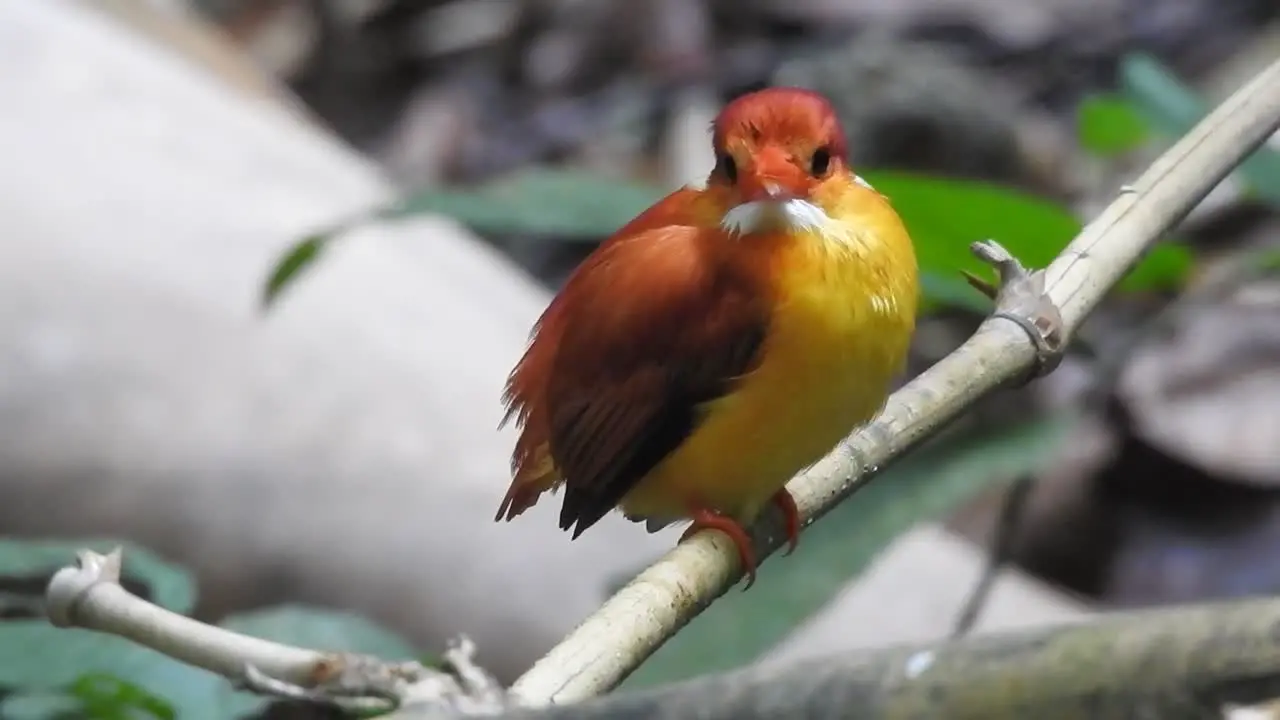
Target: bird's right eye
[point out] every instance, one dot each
(728, 167)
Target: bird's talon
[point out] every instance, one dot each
(791, 516)
(711, 520)
(1020, 297)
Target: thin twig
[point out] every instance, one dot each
(1011, 507)
(631, 625)
(89, 595)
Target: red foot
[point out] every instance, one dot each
(791, 514)
(710, 520)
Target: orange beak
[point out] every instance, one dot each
(771, 176)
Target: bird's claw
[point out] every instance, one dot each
(704, 519)
(1020, 297)
(711, 520)
(791, 518)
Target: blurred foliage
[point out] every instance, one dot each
(943, 215)
(93, 695)
(1173, 109)
(293, 262)
(941, 475)
(1109, 125)
(946, 215)
(49, 673)
(564, 204)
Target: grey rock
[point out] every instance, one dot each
(340, 450)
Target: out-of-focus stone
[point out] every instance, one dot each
(914, 592)
(341, 450)
(1205, 393)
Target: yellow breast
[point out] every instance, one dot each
(844, 314)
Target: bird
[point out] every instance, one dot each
(723, 340)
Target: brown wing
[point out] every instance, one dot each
(651, 327)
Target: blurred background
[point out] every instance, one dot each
(407, 182)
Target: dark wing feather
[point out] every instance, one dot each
(659, 323)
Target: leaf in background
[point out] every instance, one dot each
(168, 585)
(321, 629)
(1108, 125)
(107, 698)
(1266, 260)
(1173, 109)
(944, 216)
(40, 662)
(316, 628)
(742, 626)
(297, 259)
(41, 705)
(564, 204)
(53, 659)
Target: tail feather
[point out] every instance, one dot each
(530, 482)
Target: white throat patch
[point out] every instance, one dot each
(793, 214)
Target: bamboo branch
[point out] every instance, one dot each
(632, 624)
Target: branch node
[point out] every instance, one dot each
(460, 684)
(347, 681)
(459, 657)
(70, 584)
(1020, 298)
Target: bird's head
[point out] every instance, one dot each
(779, 152)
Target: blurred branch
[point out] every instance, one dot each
(1187, 662)
(1169, 663)
(89, 595)
(632, 624)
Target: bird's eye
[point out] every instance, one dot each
(729, 168)
(820, 162)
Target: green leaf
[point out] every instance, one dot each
(565, 204)
(944, 216)
(319, 629)
(42, 662)
(37, 657)
(97, 696)
(1174, 109)
(941, 290)
(741, 626)
(167, 585)
(1108, 125)
(105, 696)
(297, 259)
(1265, 260)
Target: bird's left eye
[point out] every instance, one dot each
(820, 162)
